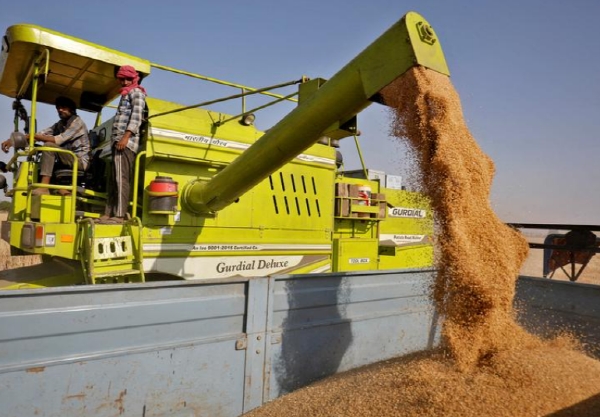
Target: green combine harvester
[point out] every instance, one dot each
(213, 196)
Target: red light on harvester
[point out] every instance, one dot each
(39, 236)
(163, 193)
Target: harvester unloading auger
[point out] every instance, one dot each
(408, 43)
(295, 211)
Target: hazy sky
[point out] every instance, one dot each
(527, 71)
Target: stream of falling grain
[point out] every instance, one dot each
(487, 364)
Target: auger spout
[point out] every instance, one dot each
(408, 43)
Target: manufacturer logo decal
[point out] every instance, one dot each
(413, 213)
(253, 265)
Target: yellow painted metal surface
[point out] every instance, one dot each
(406, 237)
(355, 254)
(77, 67)
(247, 202)
(50, 208)
(339, 99)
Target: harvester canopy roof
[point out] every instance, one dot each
(83, 71)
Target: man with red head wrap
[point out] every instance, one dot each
(125, 139)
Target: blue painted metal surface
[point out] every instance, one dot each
(215, 348)
(327, 324)
(547, 307)
(224, 347)
(143, 350)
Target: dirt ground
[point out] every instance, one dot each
(9, 262)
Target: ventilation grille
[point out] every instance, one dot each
(295, 195)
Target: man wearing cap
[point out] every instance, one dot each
(125, 138)
(70, 133)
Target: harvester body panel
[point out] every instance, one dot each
(213, 196)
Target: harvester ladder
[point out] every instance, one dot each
(112, 259)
